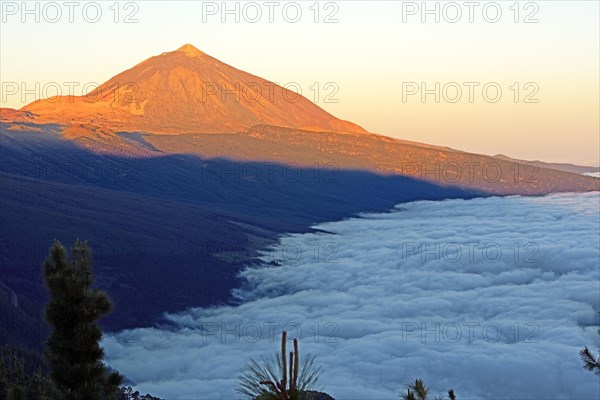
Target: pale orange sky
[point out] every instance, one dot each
(369, 54)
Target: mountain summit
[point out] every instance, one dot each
(188, 91)
(190, 50)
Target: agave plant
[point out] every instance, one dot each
(272, 378)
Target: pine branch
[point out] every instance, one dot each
(590, 362)
(451, 394)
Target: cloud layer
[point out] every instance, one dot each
(493, 297)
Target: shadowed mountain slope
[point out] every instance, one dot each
(168, 232)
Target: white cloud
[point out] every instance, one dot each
(493, 297)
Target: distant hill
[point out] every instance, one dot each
(576, 169)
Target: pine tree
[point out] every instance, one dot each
(590, 362)
(73, 350)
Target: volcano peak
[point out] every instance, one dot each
(190, 50)
(188, 91)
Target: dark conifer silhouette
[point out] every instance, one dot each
(73, 350)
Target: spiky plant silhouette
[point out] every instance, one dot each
(590, 362)
(418, 391)
(272, 378)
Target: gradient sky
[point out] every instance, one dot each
(370, 54)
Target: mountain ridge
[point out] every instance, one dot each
(166, 105)
(566, 167)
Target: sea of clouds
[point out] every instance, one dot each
(493, 297)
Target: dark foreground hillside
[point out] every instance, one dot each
(168, 232)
